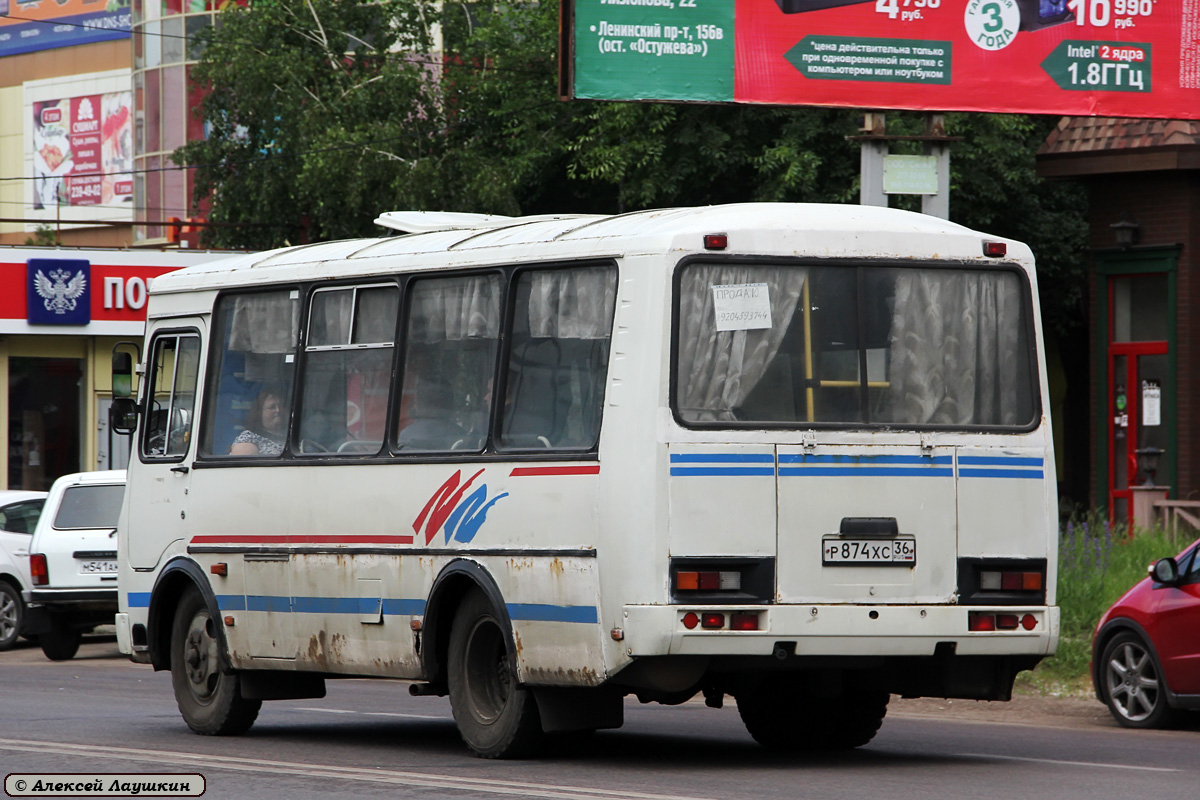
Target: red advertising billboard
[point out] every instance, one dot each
(1128, 58)
(83, 151)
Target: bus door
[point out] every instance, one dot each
(165, 441)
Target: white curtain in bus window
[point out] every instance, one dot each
(719, 369)
(347, 370)
(554, 382)
(453, 332)
(959, 350)
(571, 304)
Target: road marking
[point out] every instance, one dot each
(365, 774)
(1088, 764)
(443, 717)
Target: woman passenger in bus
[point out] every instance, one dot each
(266, 427)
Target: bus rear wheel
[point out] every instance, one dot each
(496, 717)
(788, 719)
(209, 700)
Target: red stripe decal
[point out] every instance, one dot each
(519, 472)
(302, 540)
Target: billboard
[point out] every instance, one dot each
(83, 151)
(27, 26)
(1120, 58)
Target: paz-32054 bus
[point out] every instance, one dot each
(794, 454)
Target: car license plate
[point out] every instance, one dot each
(839, 551)
(98, 567)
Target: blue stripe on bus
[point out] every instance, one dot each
(261, 602)
(1002, 461)
(870, 471)
(769, 471)
(721, 458)
(1000, 473)
(138, 599)
(799, 458)
(334, 605)
(547, 613)
(231, 602)
(403, 607)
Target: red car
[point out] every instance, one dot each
(1146, 651)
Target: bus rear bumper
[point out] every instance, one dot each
(839, 630)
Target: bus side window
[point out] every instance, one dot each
(172, 396)
(347, 370)
(252, 369)
(453, 334)
(554, 381)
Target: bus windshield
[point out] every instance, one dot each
(853, 345)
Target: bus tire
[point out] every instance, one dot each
(209, 700)
(789, 719)
(60, 642)
(496, 718)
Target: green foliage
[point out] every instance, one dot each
(324, 114)
(44, 236)
(1097, 564)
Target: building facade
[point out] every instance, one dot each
(62, 311)
(1143, 179)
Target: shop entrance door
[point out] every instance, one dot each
(45, 420)
(1138, 388)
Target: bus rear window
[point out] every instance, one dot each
(895, 347)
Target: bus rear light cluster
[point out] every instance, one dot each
(716, 620)
(39, 572)
(997, 581)
(708, 581)
(986, 621)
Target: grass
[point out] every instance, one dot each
(1097, 563)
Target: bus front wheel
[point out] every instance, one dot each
(789, 718)
(209, 699)
(496, 717)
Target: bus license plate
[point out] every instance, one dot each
(97, 567)
(884, 552)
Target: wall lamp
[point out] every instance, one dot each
(1127, 231)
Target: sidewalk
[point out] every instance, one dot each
(1039, 710)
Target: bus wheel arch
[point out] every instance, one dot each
(454, 583)
(173, 582)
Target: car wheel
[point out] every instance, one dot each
(1133, 687)
(60, 643)
(12, 614)
(495, 717)
(210, 700)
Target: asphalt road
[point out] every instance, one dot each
(102, 714)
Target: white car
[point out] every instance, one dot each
(73, 561)
(19, 512)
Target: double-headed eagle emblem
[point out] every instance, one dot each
(61, 290)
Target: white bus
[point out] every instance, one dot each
(799, 455)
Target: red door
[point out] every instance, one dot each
(1137, 384)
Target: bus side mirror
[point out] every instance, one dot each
(123, 415)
